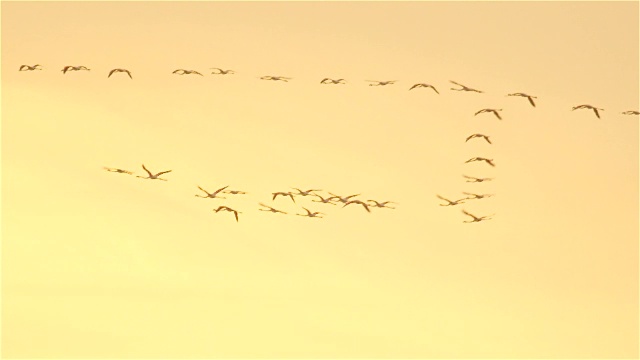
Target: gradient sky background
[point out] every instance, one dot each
(98, 264)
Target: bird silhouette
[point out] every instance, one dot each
(186, 72)
(219, 71)
(424, 86)
(595, 109)
(478, 136)
(154, 176)
(270, 209)
(225, 208)
(476, 218)
(381, 83)
(311, 214)
(275, 194)
(463, 87)
(120, 70)
(488, 161)
(331, 81)
(213, 194)
(475, 179)
(494, 111)
(450, 202)
(527, 96)
(116, 170)
(366, 207)
(30, 68)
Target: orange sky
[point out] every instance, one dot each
(97, 264)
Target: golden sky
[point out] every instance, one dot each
(98, 264)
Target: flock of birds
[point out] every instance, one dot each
(219, 71)
(330, 199)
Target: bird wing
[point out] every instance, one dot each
(65, 69)
(204, 190)
(434, 89)
(531, 101)
(442, 198)
(217, 191)
(148, 172)
(470, 137)
(596, 111)
(415, 86)
(163, 172)
(111, 72)
(291, 195)
(127, 71)
(236, 214)
(487, 138)
(498, 115)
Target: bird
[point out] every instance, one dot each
(116, 170)
(323, 200)
(222, 72)
(152, 176)
(234, 192)
(186, 72)
(478, 136)
(381, 83)
(631, 112)
(305, 193)
(366, 207)
(476, 218)
(276, 78)
(340, 198)
(488, 161)
(463, 88)
(475, 179)
(213, 194)
(270, 209)
(595, 109)
(331, 81)
(424, 86)
(476, 196)
(382, 204)
(74, 68)
(225, 208)
(120, 70)
(449, 202)
(30, 68)
(527, 96)
(283, 194)
(494, 111)
(311, 214)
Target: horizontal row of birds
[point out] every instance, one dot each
(219, 71)
(331, 199)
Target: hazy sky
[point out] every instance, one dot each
(98, 264)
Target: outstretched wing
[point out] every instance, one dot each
(163, 172)
(222, 188)
(531, 101)
(127, 71)
(111, 72)
(148, 172)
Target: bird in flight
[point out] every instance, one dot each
(381, 83)
(340, 198)
(477, 196)
(234, 192)
(424, 86)
(527, 96)
(476, 218)
(631, 112)
(74, 68)
(305, 193)
(116, 170)
(270, 209)
(595, 109)
(366, 207)
(323, 200)
(488, 161)
(120, 70)
(475, 179)
(331, 81)
(463, 87)
(276, 78)
(449, 202)
(381, 204)
(225, 208)
(213, 194)
(30, 68)
(494, 111)
(186, 72)
(283, 194)
(218, 71)
(311, 214)
(152, 176)
(478, 136)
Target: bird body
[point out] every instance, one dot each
(595, 109)
(213, 194)
(116, 170)
(225, 208)
(488, 161)
(381, 204)
(331, 81)
(154, 176)
(494, 111)
(631, 112)
(311, 214)
(30, 68)
(477, 196)
(424, 86)
(476, 218)
(276, 78)
(343, 200)
(270, 209)
(475, 179)
(381, 83)
(527, 96)
(219, 71)
(120, 70)
(186, 72)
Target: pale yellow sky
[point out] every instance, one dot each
(96, 264)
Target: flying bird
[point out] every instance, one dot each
(225, 208)
(116, 170)
(476, 218)
(311, 214)
(595, 109)
(186, 72)
(234, 192)
(424, 86)
(475, 179)
(494, 111)
(219, 71)
(270, 209)
(276, 78)
(152, 176)
(120, 70)
(366, 207)
(631, 112)
(213, 194)
(343, 200)
(381, 83)
(463, 87)
(30, 68)
(478, 136)
(381, 204)
(527, 96)
(488, 161)
(331, 81)
(323, 200)
(476, 196)
(305, 193)
(283, 194)
(449, 202)
(74, 68)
